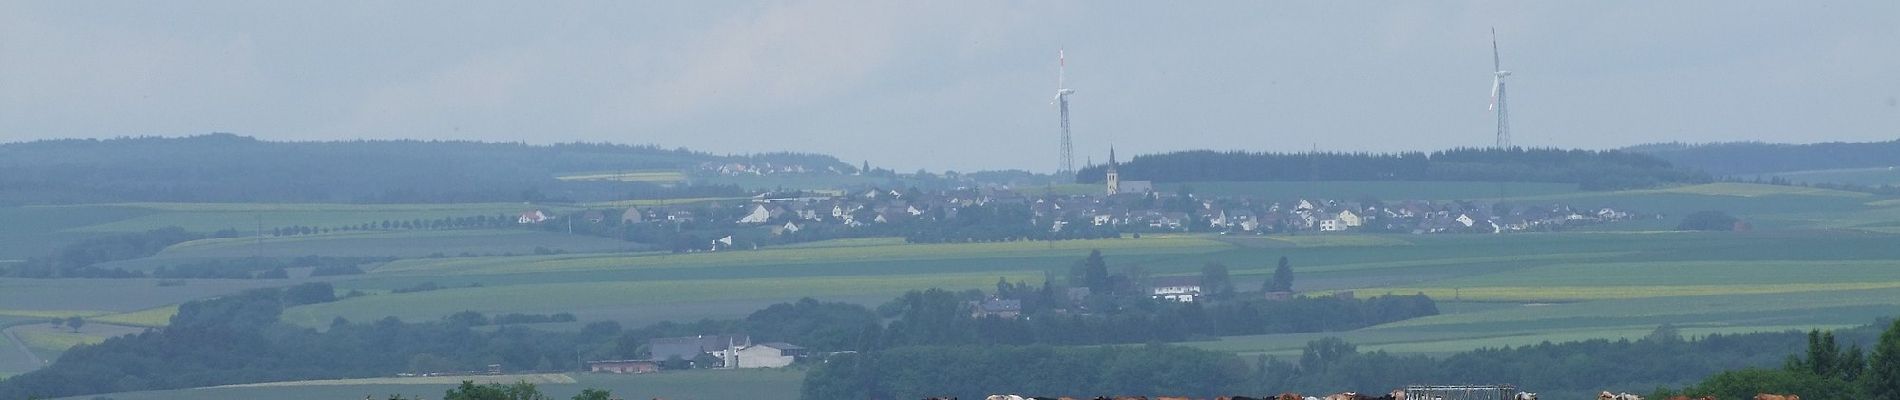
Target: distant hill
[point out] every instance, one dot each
(1591, 170)
(1738, 158)
(232, 168)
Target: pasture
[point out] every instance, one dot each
(404, 244)
(650, 176)
(1877, 176)
(1357, 190)
(767, 384)
(245, 217)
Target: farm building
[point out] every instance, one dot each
(633, 215)
(689, 347)
(1177, 288)
(765, 355)
(1000, 308)
(623, 366)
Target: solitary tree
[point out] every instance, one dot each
(75, 322)
(1883, 376)
(1095, 272)
(1282, 278)
(1215, 282)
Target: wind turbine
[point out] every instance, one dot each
(1497, 94)
(1067, 167)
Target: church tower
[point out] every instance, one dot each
(1114, 180)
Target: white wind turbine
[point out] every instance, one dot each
(1067, 167)
(1497, 94)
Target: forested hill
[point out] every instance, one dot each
(1596, 170)
(1736, 158)
(231, 168)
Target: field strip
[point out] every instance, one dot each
(1341, 241)
(214, 243)
(539, 379)
(149, 318)
(1395, 342)
(302, 207)
(632, 176)
(1584, 293)
(657, 202)
(49, 314)
(1434, 262)
(813, 255)
(1729, 189)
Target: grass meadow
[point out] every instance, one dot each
(1858, 176)
(653, 176)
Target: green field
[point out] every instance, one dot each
(245, 217)
(773, 384)
(1383, 190)
(658, 176)
(1877, 176)
(405, 244)
(1817, 259)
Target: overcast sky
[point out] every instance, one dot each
(960, 85)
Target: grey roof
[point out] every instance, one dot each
(782, 346)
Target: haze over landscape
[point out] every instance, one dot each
(226, 200)
(952, 86)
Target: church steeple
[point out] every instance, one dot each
(1113, 178)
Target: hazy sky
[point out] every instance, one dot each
(958, 85)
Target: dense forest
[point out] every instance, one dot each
(1740, 158)
(231, 168)
(1663, 359)
(1591, 170)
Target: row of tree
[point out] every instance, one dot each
(1592, 170)
(1556, 370)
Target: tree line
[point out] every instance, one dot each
(1590, 169)
(230, 168)
(1557, 370)
(1741, 158)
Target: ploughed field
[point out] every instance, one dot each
(1816, 259)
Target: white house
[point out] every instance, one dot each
(1332, 225)
(758, 215)
(1350, 219)
(1466, 220)
(532, 217)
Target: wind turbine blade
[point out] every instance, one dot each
(1062, 66)
(1496, 83)
(1495, 64)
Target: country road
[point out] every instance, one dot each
(21, 346)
